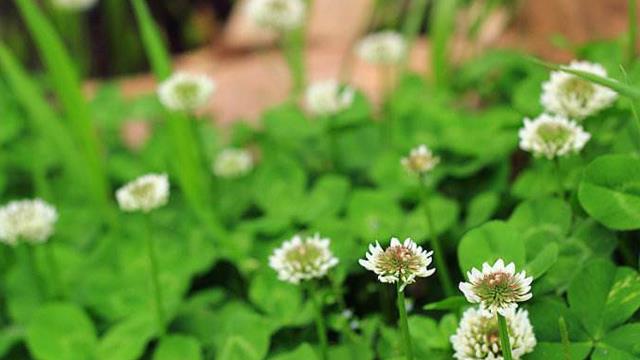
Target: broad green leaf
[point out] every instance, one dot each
(602, 296)
(450, 303)
(620, 344)
(61, 331)
(326, 199)
(481, 208)
(558, 351)
(374, 215)
(426, 335)
(127, 339)
(624, 297)
(610, 191)
(241, 333)
(280, 300)
(444, 212)
(181, 347)
(238, 348)
(544, 260)
(540, 222)
(303, 351)
(544, 315)
(489, 242)
(279, 185)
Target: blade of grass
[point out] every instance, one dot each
(66, 84)
(413, 22)
(48, 125)
(184, 154)
(441, 30)
(629, 91)
(633, 31)
(634, 110)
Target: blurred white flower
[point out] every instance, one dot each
(299, 259)
(184, 91)
(28, 220)
(478, 338)
(382, 48)
(420, 160)
(497, 288)
(400, 262)
(232, 163)
(73, 5)
(328, 97)
(278, 15)
(552, 136)
(144, 194)
(573, 97)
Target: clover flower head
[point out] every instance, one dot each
(303, 259)
(278, 15)
(478, 337)
(497, 288)
(144, 194)
(328, 97)
(420, 160)
(73, 5)
(185, 91)
(233, 163)
(29, 220)
(382, 48)
(576, 98)
(399, 263)
(552, 136)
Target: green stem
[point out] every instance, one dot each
(30, 258)
(504, 338)
(404, 325)
(633, 31)
(411, 27)
(314, 295)
(293, 50)
(155, 281)
(559, 180)
(58, 289)
(438, 253)
(564, 336)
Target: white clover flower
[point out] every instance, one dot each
(382, 48)
(420, 160)
(497, 288)
(278, 15)
(400, 262)
(552, 136)
(328, 97)
(573, 97)
(478, 337)
(28, 220)
(73, 5)
(184, 91)
(299, 259)
(144, 194)
(232, 163)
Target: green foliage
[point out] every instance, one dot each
(609, 191)
(61, 331)
(340, 176)
(489, 242)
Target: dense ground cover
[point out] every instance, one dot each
(185, 266)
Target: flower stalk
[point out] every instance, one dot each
(404, 324)
(438, 252)
(504, 337)
(321, 329)
(155, 279)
